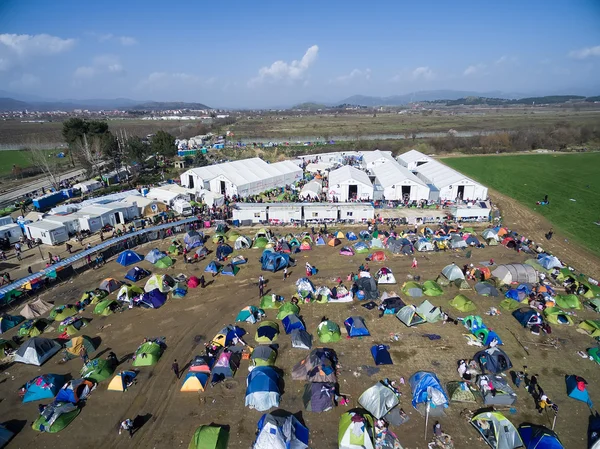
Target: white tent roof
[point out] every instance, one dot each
(141, 201)
(312, 189)
(314, 167)
(345, 173)
(441, 175)
(372, 156)
(412, 156)
(392, 173)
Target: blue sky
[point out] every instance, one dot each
(268, 53)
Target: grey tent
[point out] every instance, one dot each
(486, 289)
(301, 339)
(515, 273)
(318, 396)
(452, 272)
(36, 309)
(378, 400)
(457, 242)
(496, 430)
(409, 316)
(36, 351)
(423, 245)
(395, 246)
(503, 393)
(242, 242)
(430, 312)
(318, 366)
(489, 234)
(493, 360)
(369, 287)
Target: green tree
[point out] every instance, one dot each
(97, 135)
(200, 160)
(163, 143)
(135, 150)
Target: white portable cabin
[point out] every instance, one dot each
(88, 221)
(146, 207)
(372, 159)
(413, 159)
(112, 213)
(349, 183)
(451, 184)
(68, 221)
(474, 211)
(209, 198)
(6, 220)
(320, 212)
(250, 212)
(166, 196)
(311, 189)
(285, 213)
(12, 232)
(358, 212)
(399, 184)
(48, 233)
(88, 186)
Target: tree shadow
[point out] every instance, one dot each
(101, 353)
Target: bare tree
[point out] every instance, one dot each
(90, 153)
(46, 162)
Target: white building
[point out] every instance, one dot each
(88, 221)
(479, 211)
(400, 184)
(284, 213)
(250, 213)
(358, 212)
(69, 221)
(48, 233)
(146, 207)
(6, 220)
(167, 194)
(12, 232)
(112, 213)
(348, 184)
(451, 184)
(88, 186)
(310, 190)
(242, 178)
(413, 159)
(372, 159)
(337, 157)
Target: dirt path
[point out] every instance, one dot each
(533, 225)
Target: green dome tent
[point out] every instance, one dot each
(555, 315)
(209, 437)
(432, 288)
(267, 332)
(106, 307)
(263, 356)
(260, 242)
(510, 304)
(164, 262)
(147, 354)
(287, 309)
(219, 237)
(6, 345)
(356, 430)
(56, 417)
(73, 327)
(97, 370)
(463, 304)
(267, 302)
(61, 313)
(412, 288)
(568, 302)
(328, 332)
(233, 236)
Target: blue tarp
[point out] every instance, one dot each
(420, 383)
(381, 355)
(43, 387)
(128, 257)
(154, 299)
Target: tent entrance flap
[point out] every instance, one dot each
(461, 192)
(117, 218)
(190, 181)
(222, 187)
(406, 192)
(352, 191)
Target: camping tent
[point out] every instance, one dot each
(147, 354)
(121, 381)
(378, 400)
(318, 396)
(202, 364)
(486, 289)
(577, 389)
(75, 390)
(273, 261)
(292, 322)
(154, 255)
(356, 431)
(568, 302)
(74, 346)
(6, 346)
(55, 417)
(210, 437)
(328, 332)
(43, 387)
(162, 282)
(428, 393)
(153, 300)
(423, 245)
(409, 316)
(5, 436)
(213, 267)
(539, 437)
(248, 314)
(515, 273)
(280, 432)
(61, 313)
(267, 332)
(106, 307)
(349, 235)
(489, 234)
(7, 322)
(194, 382)
(360, 248)
(412, 288)
(334, 242)
(263, 356)
(528, 317)
(385, 276)
(110, 285)
(242, 242)
(164, 262)
(496, 430)
(262, 391)
(230, 270)
(493, 360)
(463, 304)
(225, 366)
(318, 366)
(453, 272)
(223, 250)
(301, 339)
(35, 309)
(269, 302)
(381, 355)
(128, 292)
(432, 288)
(356, 327)
(346, 251)
(129, 257)
(555, 315)
(304, 286)
(136, 273)
(377, 256)
(287, 308)
(459, 391)
(502, 394)
(36, 351)
(368, 286)
(549, 262)
(97, 370)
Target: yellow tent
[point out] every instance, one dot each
(194, 382)
(121, 380)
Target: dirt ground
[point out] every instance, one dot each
(187, 323)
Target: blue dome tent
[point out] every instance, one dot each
(154, 299)
(356, 327)
(280, 432)
(45, 386)
(136, 273)
(262, 391)
(428, 391)
(272, 261)
(577, 389)
(539, 437)
(292, 322)
(128, 257)
(213, 267)
(154, 256)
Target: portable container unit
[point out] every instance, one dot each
(320, 212)
(285, 213)
(12, 232)
(48, 200)
(68, 221)
(6, 220)
(88, 186)
(250, 212)
(48, 233)
(358, 212)
(89, 221)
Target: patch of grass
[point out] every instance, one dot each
(21, 159)
(528, 178)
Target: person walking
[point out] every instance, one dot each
(285, 273)
(415, 263)
(175, 368)
(261, 286)
(127, 426)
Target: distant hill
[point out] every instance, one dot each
(10, 104)
(550, 99)
(310, 105)
(433, 95)
(166, 105)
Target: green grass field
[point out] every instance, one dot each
(562, 177)
(19, 158)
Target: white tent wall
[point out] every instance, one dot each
(347, 181)
(372, 159)
(399, 183)
(320, 212)
(311, 189)
(285, 213)
(451, 184)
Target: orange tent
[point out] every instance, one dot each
(334, 242)
(502, 231)
(378, 256)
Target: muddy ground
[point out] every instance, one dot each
(187, 323)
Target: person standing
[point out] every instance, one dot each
(415, 263)
(285, 273)
(127, 426)
(175, 368)
(261, 286)
(18, 251)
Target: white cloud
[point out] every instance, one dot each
(123, 40)
(100, 64)
(26, 81)
(423, 72)
(127, 40)
(501, 60)
(168, 80)
(410, 75)
(290, 72)
(474, 69)
(17, 48)
(84, 72)
(355, 74)
(584, 53)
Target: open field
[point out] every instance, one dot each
(563, 177)
(21, 159)
(359, 125)
(187, 323)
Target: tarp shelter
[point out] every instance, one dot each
(515, 273)
(75, 390)
(136, 273)
(209, 437)
(280, 432)
(262, 391)
(412, 288)
(528, 317)
(287, 308)
(147, 354)
(110, 285)
(97, 370)
(577, 389)
(381, 355)
(356, 327)
(154, 255)
(369, 287)
(43, 387)
(493, 360)
(128, 257)
(195, 382)
(428, 391)
(378, 400)
(74, 346)
(486, 289)
(36, 351)
(555, 315)
(539, 437)
(328, 332)
(356, 431)
(263, 356)
(409, 316)
(121, 381)
(273, 261)
(7, 322)
(496, 430)
(463, 304)
(459, 391)
(213, 267)
(55, 417)
(35, 309)
(453, 272)
(301, 339)
(242, 242)
(385, 276)
(318, 397)
(267, 332)
(153, 299)
(568, 302)
(502, 393)
(292, 322)
(432, 288)
(318, 366)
